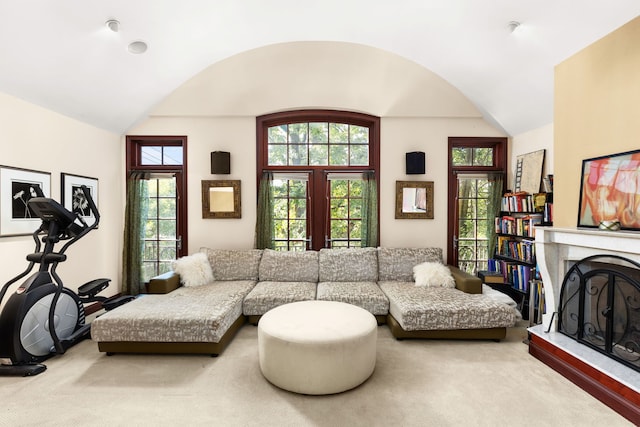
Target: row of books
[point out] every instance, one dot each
(519, 226)
(521, 250)
(517, 202)
(501, 271)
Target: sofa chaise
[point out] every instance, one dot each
(185, 312)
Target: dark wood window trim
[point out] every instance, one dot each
(499, 145)
(133, 160)
(317, 175)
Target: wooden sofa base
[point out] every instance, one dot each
(467, 334)
(212, 348)
(254, 319)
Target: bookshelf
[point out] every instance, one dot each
(513, 268)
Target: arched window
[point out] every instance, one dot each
(322, 167)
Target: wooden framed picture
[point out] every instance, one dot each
(221, 199)
(414, 199)
(17, 187)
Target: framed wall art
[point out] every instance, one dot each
(414, 199)
(610, 191)
(528, 174)
(221, 199)
(17, 187)
(73, 198)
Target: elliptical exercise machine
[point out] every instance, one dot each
(26, 335)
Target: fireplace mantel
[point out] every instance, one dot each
(611, 382)
(557, 247)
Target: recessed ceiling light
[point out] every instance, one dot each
(113, 25)
(137, 47)
(513, 25)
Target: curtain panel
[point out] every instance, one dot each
(369, 210)
(135, 216)
(264, 214)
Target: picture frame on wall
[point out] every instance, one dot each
(610, 191)
(17, 187)
(72, 197)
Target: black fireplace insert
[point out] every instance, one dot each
(600, 306)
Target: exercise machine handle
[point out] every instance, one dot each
(92, 205)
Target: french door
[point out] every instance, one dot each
(476, 181)
(339, 198)
(161, 161)
(322, 162)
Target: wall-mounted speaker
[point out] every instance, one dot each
(220, 162)
(415, 163)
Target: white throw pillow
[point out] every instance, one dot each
(433, 274)
(194, 270)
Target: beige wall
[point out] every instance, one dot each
(38, 139)
(597, 94)
(217, 109)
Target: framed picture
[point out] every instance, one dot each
(221, 199)
(610, 190)
(529, 172)
(414, 199)
(72, 197)
(17, 187)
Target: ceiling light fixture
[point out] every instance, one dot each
(137, 47)
(113, 25)
(513, 25)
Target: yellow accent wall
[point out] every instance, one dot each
(597, 111)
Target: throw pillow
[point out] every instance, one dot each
(433, 274)
(194, 270)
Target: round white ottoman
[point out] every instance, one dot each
(317, 347)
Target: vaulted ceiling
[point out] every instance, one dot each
(62, 56)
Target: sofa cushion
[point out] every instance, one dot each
(367, 295)
(348, 265)
(241, 264)
(268, 295)
(283, 266)
(194, 270)
(397, 263)
(197, 314)
(418, 308)
(433, 274)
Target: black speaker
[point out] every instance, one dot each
(220, 162)
(415, 163)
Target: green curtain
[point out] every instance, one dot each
(496, 189)
(264, 218)
(369, 210)
(135, 216)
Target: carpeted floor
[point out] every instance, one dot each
(416, 383)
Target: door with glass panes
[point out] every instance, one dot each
(476, 176)
(318, 159)
(164, 208)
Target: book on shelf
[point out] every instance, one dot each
(520, 201)
(490, 276)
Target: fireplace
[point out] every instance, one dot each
(599, 306)
(583, 255)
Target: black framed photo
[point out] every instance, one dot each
(17, 187)
(72, 196)
(610, 191)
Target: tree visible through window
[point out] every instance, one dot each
(476, 169)
(318, 159)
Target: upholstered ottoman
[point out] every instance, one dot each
(317, 347)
